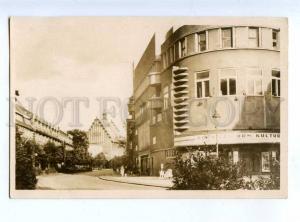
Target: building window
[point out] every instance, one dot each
(159, 117)
(202, 84)
(235, 157)
(275, 83)
(166, 97)
(153, 118)
(154, 140)
(275, 38)
(227, 38)
(164, 58)
(174, 52)
(202, 41)
(274, 158)
(171, 153)
(254, 79)
(171, 56)
(265, 162)
(183, 47)
(167, 58)
(228, 82)
(253, 37)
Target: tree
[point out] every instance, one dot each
(204, 172)
(119, 161)
(271, 182)
(100, 160)
(80, 144)
(25, 172)
(54, 154)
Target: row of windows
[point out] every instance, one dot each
(170, 153)
(180, 48)
(165, 98)
(227, 86)
(228, 82)
(266, 159)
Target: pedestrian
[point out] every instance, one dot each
(122, 170)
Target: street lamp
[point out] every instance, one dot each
(216, 116)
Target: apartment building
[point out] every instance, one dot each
(213, 88)
(33, 127)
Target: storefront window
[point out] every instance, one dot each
(265, 161)
(235, 156)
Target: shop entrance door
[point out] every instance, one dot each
(251, 162)
(145, 165)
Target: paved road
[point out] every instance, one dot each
(85, 182)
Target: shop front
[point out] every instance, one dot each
(255, 151)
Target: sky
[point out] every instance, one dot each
(53, 59)
(58, 59)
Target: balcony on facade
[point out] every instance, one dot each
(156, 103)
(154, 78)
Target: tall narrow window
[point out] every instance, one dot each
(202, 41)
(265, 162)
(154, 140)
(167, 58)
(164, 60)
(275, 35)
(202, 84)
(171, 51)
(275, 83)
(159, 117)
(228, 82)
(227, 38)
(166, 97)
(253, 37)
(183, 47)
(254, 82)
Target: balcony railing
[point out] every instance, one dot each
(156, 103)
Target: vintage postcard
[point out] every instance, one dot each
(148, 107)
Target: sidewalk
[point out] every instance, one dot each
(146, 181)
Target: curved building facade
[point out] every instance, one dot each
(210, 88)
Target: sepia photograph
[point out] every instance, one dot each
(148, 107)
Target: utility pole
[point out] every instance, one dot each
(216, 116)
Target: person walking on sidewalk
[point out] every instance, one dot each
(122, 171)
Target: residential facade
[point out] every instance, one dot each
(213, 88)
(33, 127)
(104, 136)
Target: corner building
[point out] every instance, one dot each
(213, 89)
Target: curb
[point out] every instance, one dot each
(141, 184)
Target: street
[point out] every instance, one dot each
(81, 181)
